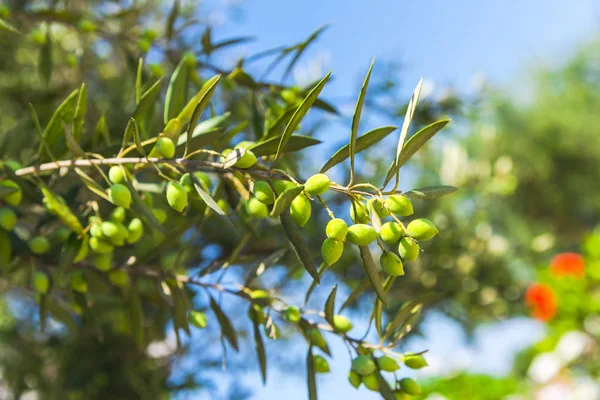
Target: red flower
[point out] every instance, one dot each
(542, 301)
(568, 264)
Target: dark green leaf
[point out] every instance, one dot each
(372, 273)
(128, 133)
(330, 306)
(136, 317)
(79, 117)
(54, 130)
(180, 307)
(260, 348)
(363, 142)
(201, 101)
(226, 328)
(176, 92)
(46, 62)
(72, 144)
(313, 285)
(136, 137)
(6, 190)
(356, 117)
(377, 310)
(138, 81)
(285, 199)
(101, 131)
(5, 26)
(311, 375)
(210, 202)
(147, 100)
(298, 243)
(6, 253)
(43, 311)
(61, 314)
(430, 192)
(384, 389)
(405, 311)
(295, 143)
(171, 20)
(299, 114)
(409, 324)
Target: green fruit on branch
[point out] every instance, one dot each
(371, 382)
(391, 232)
(361, 234)
(118, 215)
(281, 186)
(317, 184)
(422, 229)
(118, 277)
(263, 192)
(289, 96)
(256, 209)
(40, 282)
(401, 395)
(341, 324)
(256, 314)
(354, 379)
(62, 233)
(177, 196)
(116, 174)
(78, 282)
(336, 229)
(103, 261)
(399, 205)
(135, 230)
(100, 246)
(358, 213)
(300, 210)
(408, 249)
(188, 182)
(159, 214)
(316, 338)
(119, 195)
(387, 363)
(410, 386)
(223, 205)
(391, 264)
(292, 314)
(416, 361)
(321, 364)
(247, 160)
(14, 199)
(8, 219)
(363, 365)
(165, 147)
(198, 319)
(87, 26)
(110, 230)
(96, 230)
(376, 206)
(332, 250)
(39, 245)
(244, 144)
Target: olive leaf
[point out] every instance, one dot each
(46, 62)
(54, 130)
(61, 314)
(200, 101)
(285, 199)
(176, 92)
(62, 210)
(384, 388)
(298, 244)
(138, 81)
(140, 208)
(419, 139)
(206, 131)
(80, 109)
(147, 100)
(260, 347)
(43, 311)
(356, 118)
(136, 317)
(5, 26)
(276, 127)
(226, 328)
(295, 143)
(405, 311)
(311, 375)
(171, 20)
(373, 273)
(330, 306)
(430, 192)
(6, 253)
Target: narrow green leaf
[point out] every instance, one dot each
(136, 137)
(311, 375)
(242, 78)
(198, 105)
(127, 134)
(62, 210)
(171, 20)
(363, 142)
(6, 190)
(206, 131)
(377, 311)
(410, 112)
(138, 81)
(91, 184)
(271, 146)
(147, 100)
(176, 92)
(72, 144)
(405, 311)
(419, 139)
(384, 388)
(361, 288)
(136, 317)
(430, 192)
(101, 131)
(61, 314)
(180, 307)
(356, 117)
(330, 306)
(210, 202)
(260, 348)
(313, 285)
(285, 199)
(301, 48)
(79, 117)
(275, 129)
(54, 131)
(5, 26)
(299, 244)
(67, 256)
(46, 62)
(299, 114)
(6, 253)
(226, 328)
(372, 273)
(409, 324)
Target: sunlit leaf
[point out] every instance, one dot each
(147, 100)
(138, 81)
(372, 273)
(330, 306)
(295, 143)
(405, 311)
(54, 130)
(176, 92)
(311, 375)
(356, 118)
(46, 62)
(79, 117)
(298, 244)
(5, 26)
(430, 192)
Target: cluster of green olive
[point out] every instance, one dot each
(365, 368)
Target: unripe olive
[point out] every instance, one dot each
(96, 230)
(391, 232)
(118, 277)
(354, 379)
(40, 282)
(198, 319)
(87, 26)
(165, 147)
(415, 361)
(358, 214)
(135, 230)
(289, 96)
(363, 365)
(408, 249)
(321, 364)
(115, 174)
(4, 11)
(8, 219)
(401, 395)
(159, 214)
(387, 363)
(256, 209)
(119, 195)
(410, 386)
(336, 229)
(422, 229)
(316, 338)
(391, 264)
(282, 186)
(272, 331)
(246, 161)
(150, 34)
(188, 182)
(118, 215)
(122, 235)
(399, 205)
(371, 382)
(263, 192)
(341, 323)
(223, 205)
(177, 196)
(100, 246)
(376, 206)
(62, 233)
(332, 250)
(78, 282)
(292, 314)
(103, 261)
(14, 199)
(361, 234)
(39, 245)
(317, 184)
(244, 144)
(300, 210)
(110, 229)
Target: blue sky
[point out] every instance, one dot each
(450, 43)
